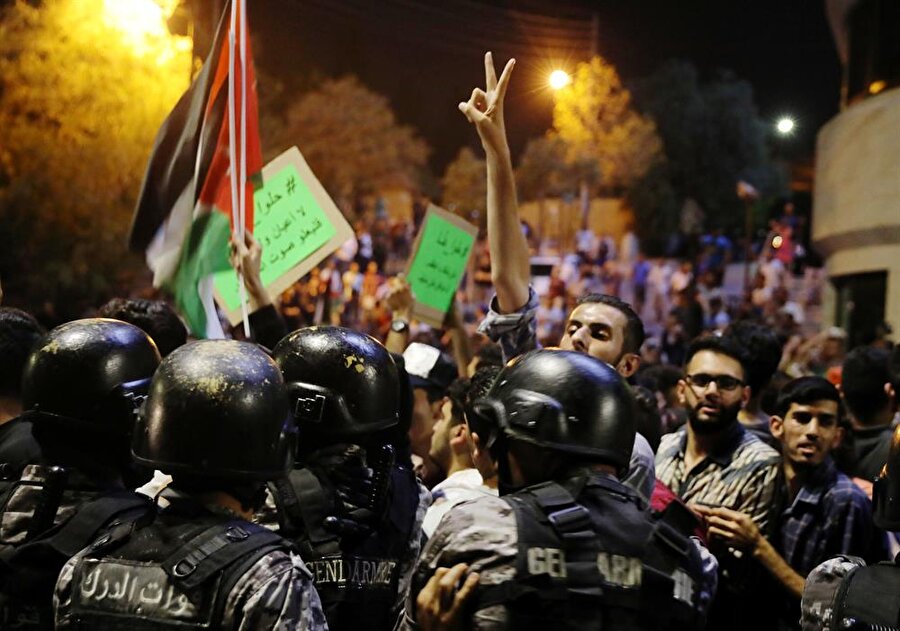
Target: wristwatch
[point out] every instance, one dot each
(400, 325)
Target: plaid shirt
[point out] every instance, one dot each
(741, 475)
(829, 516)
(515, 332)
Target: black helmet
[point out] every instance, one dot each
(342, 384)
(886, 491)
(90, 373)
(563, 401)
(217, 409)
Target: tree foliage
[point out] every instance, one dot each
(81, 99)
(713, 137)
(465, 184)
(352, 140)
(549, 167)
(595, 117)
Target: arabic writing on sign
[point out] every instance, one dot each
(440, 262)
(289, 224)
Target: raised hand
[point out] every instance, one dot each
(485, 107)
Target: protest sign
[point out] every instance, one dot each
(439, 260)
(295, 222)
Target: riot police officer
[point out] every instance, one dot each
(351, 504)
(566, 545)
(845, 593)
(81, 387)
(217, 420)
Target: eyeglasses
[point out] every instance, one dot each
(723, 382)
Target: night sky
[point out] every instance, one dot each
(427, 56)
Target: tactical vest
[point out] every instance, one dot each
(28, 572)
(357, 580)
(29, 505)
(601, 562)
(174, 573)
(868, 599)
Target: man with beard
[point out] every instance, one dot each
(821, 513)
(714, 461)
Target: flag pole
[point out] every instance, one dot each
(236, 199)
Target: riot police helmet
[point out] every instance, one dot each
(342, 384)
(216, 409)
(89, 375)
(563, 401)
(886, 490)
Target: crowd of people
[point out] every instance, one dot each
(677, 460)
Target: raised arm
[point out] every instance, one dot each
(510, 269)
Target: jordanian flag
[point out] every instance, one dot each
(197, 190)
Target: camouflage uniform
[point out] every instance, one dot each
(275, 592)
(820, 592)
(484, 533)
(17, 515)
(845, 593)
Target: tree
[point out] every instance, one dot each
(594, 116)
(549, 167)
(82, 94)
(465, 185)
(351, 139)
(713, 137)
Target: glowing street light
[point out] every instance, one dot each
(785, 125)
(143, 24)
(559, 79)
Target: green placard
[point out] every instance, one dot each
(289, 224)
(440, 262)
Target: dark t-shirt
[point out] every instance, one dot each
(870, 448)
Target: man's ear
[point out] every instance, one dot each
(745, 396)
(629, 364)
(681, 392)
(776, 426)
(457, 436)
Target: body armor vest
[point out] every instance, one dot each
(28, 572)
(174, 573)
(868, 599)
(601, 562)
(356, 578)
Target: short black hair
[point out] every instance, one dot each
(866, 369)
(721, 344)
(456, 393)
(659, 378)
(154, 317)
(19, 332)
(805, 390)
(479, 386)
(762, 351)
(648, 421)
(490, 354)
(634, 327)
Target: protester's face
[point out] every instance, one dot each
(423, 418)
(712, 391)
(599, 330)
(808, 432)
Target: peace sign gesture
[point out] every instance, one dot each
(485, 109)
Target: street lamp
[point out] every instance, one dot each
(785, 125)
(559, 79)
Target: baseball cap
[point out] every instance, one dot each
(428, 367)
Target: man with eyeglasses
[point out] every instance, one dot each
(714, 461)
(819, 512)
